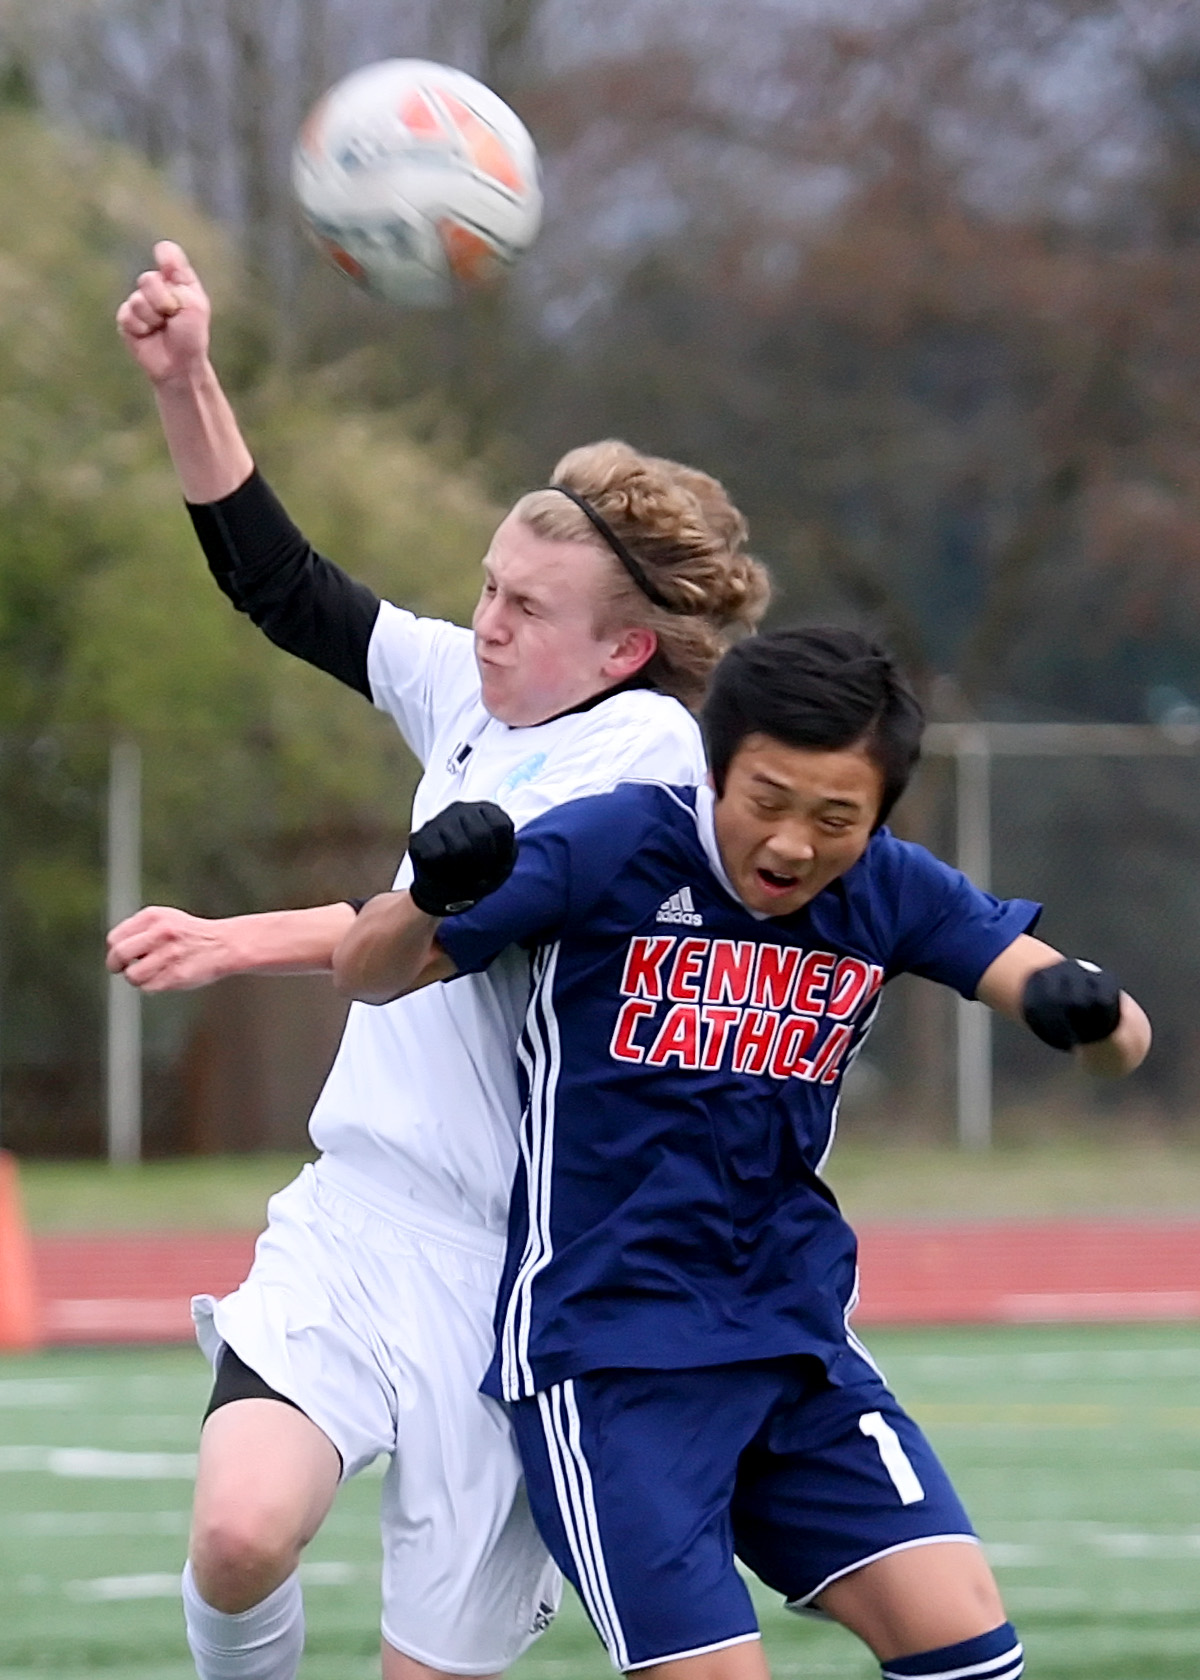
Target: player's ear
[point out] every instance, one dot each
(633, 647)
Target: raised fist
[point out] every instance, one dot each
(461, 855)
(165, 319)
(1071, 1003)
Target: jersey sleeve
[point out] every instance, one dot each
(415, 669)
(420, 670)
(948, 929)
(566, 861)
(531, 908)
(271, 572)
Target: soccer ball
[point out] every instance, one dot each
(413, 177)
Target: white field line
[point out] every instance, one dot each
(119, 1589)
(85, 1525)
(94, 1464)
(39, 1391)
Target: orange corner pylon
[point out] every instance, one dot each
(20, 1311)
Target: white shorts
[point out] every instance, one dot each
(380, 1332)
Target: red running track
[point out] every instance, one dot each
(136, 1288)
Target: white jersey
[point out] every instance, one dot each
(421, 1103)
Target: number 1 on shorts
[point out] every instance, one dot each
(895, 1460)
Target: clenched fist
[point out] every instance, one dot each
(165, 950)
(461, 855)
(165, 319)
(1071, 1003)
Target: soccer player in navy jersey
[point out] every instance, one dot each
(673, 1336)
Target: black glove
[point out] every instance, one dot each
(461, 855)
(1071, 1003)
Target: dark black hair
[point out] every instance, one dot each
(822, 688)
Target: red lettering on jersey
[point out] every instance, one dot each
(773, 977)
(679, 1036)
(718, 1022)
(755, 1034)
(811, 982)
(621, 1045)
(730, 967)
(854, 983)
(643, 966)
(683, 986)
(827, 1064)
(794, 1041)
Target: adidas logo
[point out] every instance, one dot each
(542, 1617)
(680, 909)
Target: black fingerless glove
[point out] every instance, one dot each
(461, 855)
(1071, 1003)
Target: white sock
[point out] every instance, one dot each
(262, 1643)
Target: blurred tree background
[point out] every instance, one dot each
(917, 278)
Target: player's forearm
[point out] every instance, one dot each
(288, 941)
(161, 949)
(206, 444)
(1124, 1049)
(390, 950)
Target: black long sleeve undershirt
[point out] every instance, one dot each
(270, 571)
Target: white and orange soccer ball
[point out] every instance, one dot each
(414, 177)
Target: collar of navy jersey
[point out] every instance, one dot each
(706, 828)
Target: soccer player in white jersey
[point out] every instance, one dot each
(365, 1324)
(673, 1335)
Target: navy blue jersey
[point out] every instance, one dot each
(681, 1061)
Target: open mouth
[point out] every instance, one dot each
(775, 882)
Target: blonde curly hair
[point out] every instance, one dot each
(687, 536)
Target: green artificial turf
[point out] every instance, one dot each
(1077, 1450)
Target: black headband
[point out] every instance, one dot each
(635, 570)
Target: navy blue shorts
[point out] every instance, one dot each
(647, 1484)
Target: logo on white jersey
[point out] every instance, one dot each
(680, 909)
(524, 772)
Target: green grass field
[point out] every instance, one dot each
(1078, 1451)
(1054, 1178)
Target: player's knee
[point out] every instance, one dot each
(240, 1554)
(997, 1654)
(980, 1594)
